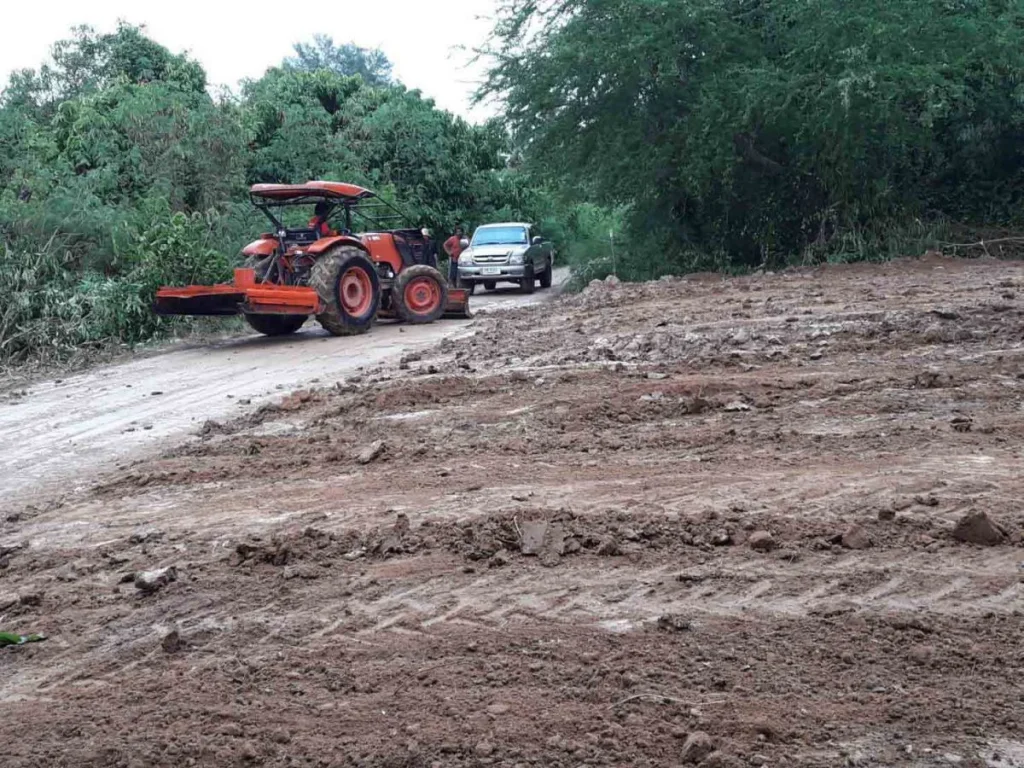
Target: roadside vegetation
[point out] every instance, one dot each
(645, 136)
(735, 134)
(119, 172)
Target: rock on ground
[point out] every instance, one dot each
(698, 746)
(856, 538)
(543, 539)
(372, 452)
(978, 528)
(171, 642)
(761, 541)
(153, 581)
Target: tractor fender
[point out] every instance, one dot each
(324, 244)
(262, 247)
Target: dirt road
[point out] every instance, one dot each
(766, 521)
(61, 433)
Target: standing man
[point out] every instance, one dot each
(453, 247)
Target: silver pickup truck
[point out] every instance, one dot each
(507, 253)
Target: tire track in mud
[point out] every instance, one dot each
(360, 578)
(598, 595)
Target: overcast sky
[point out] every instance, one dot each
(235, 40)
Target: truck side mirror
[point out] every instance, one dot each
(464, 243)
(537, 240)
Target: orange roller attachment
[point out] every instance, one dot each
(457, 305)
(242, 295)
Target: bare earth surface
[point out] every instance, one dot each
(699, 521)
(59, 433)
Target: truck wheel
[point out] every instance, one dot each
(419, 294)
(275, 325)
(546, 275)
(528, 283)
(346, 281)
(490, 285)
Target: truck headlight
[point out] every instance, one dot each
(516, 258)
(466, 259)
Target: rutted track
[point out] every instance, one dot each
(385, 611)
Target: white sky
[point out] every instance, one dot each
(235, 40)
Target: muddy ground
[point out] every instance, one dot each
(699, 521)
(58, 433)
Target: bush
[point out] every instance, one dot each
(51, 309)
(43, 311)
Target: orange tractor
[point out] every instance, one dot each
(345, 280)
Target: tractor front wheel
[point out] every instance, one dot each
(419, 294)
(346, 281)
(275, 325)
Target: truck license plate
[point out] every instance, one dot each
(492, 270)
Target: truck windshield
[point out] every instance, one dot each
(500, 236)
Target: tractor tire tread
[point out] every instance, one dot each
(323, 279)
(398, 294)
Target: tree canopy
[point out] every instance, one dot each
(698, 133)
(758, 132)
(348, 59)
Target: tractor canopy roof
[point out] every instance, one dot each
(310, 191)
(357, 203)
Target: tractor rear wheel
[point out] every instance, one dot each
(349, 289)
(275, 325)
(419, 295)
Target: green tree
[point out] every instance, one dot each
(347, 60)
(747, 131)
(88, 62)
(439, 168)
